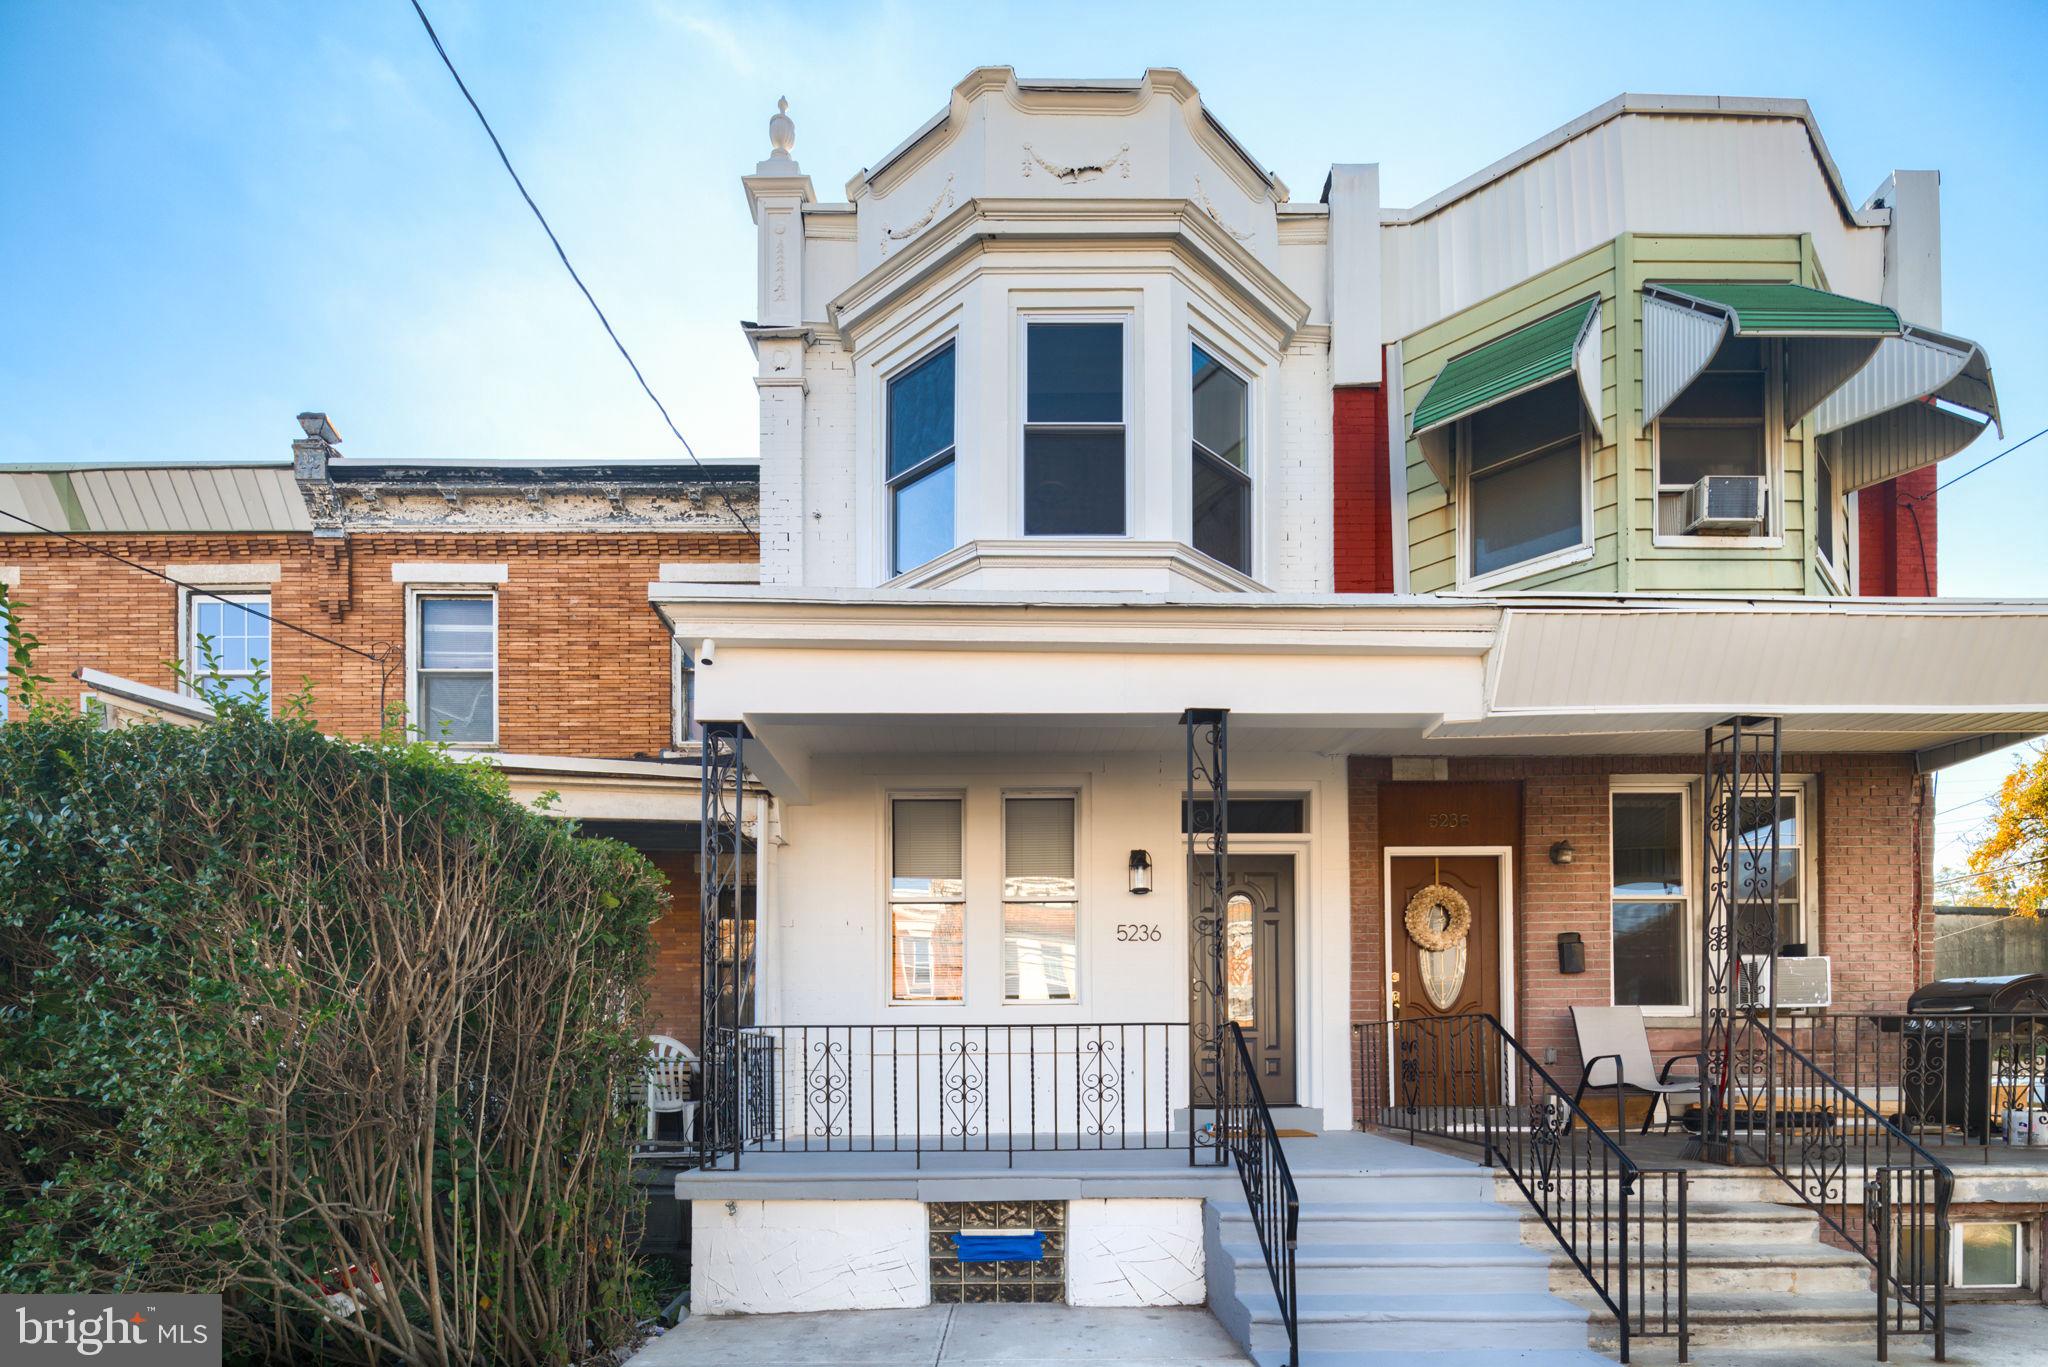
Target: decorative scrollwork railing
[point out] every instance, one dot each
(973, 1089)
(1869, 1181)
(1244, 1126)
(1465, 1080)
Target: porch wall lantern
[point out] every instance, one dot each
(1141, 872)
(1562, 852)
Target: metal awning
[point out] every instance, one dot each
(1890, 418)
(1830, 337)
(1565, 343)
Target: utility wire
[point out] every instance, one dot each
(195, 590)
(590, 298)
(1975, 468)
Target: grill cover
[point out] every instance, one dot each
(2017, 993)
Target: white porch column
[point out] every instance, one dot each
(776, 195)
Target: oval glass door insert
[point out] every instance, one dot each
(1443, 970)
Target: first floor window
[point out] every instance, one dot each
(1039, 891)
(1074, 429)
(456, 678)
(1756, 874)
(1525, 493)
(921, 404)
(1716, 427)
(1221, 477)
(227, 645)
(927, 900)
(1650, 904)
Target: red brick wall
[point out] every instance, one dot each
(674, 998)
(583, 659)
(1364, 546)
(1897, 545)
(1873, 846)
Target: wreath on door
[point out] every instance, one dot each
(1422, 924)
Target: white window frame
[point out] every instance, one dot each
(1773, 472)
(1224, 356)
(414, 596)
(925, 351)
(2021, 1263)
(685, 732)
(1831, 572)
(1688, 871)
(188, 636)
(1581, 550)
(1005, 902)
(890, 797)
(1797, 789)
(1123, 318)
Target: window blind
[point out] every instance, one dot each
(926, 837)
(1038, 837)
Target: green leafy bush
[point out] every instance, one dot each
(336, 1029)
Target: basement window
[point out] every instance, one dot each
(1987, 1254)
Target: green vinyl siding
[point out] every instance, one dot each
(1626, 556)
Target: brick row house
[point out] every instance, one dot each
(1221, 674)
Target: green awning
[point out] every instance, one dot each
(1827, 337)
(1564, 343)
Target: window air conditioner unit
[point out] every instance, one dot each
(1802, 983)
(1725, 503)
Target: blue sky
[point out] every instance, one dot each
(218, 215)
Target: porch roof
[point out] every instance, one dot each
(824, 671)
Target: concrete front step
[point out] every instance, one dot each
(1779, 1273)
(1733, 1224)
(1385, 1222)
(1766, 1322)
(1319, 1185)
(1389, 1268)
(1438, 1357)
(1382, 1323)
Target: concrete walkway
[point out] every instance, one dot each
(1013, 1335)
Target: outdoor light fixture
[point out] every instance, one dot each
(1561, 852)
(1141, 871)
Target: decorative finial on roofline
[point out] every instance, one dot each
(781, 131)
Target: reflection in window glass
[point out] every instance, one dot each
(921, 458)
(927, 900)
(1074, 432)
(1039, 910)
(230, 643)
(1650, 905)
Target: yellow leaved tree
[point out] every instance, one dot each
(2011, 861)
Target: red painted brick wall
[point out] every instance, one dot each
(1364, 545)
(1898, 545)
(1873, 839)
(674, 997)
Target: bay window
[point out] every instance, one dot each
(1039, 906)
(1222, 522)
(927, 900)
(1074, 457)
(1651, 898)
(1525, 489)
(921, 457)
(1716, 427)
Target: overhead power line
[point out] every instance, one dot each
(1947, 483)
(633, 365)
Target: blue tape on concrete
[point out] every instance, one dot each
(1000, 1248)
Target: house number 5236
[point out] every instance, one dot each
(1136, 932)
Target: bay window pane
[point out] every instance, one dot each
(1074, 483)
(921, 411)
(1526, 510)
(1649, 953)
(927, 943)
(458, 633)
(921, 519)
(1649, 854)
(1219, 409)
(457, 707)
(1075, 372)
(1222, 516)
(1038, 951)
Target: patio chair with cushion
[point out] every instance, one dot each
(671, 1083)
(1614, 1052)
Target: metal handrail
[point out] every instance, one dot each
(1898, 1217)
(1467, 1080)
(1244, 1126)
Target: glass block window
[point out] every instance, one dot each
(1041, 1281)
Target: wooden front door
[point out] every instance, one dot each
(1258, 967)
(1455, 1064)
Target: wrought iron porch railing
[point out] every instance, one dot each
(1466, 1080)
(1948, 1081)
(1244, 1124)
(1884, 1194)
(928, 1089)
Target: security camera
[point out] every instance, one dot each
(707, 653)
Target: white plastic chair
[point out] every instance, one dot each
(670, 1065)
(1614, 1051)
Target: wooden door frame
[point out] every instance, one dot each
(1504, 857)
